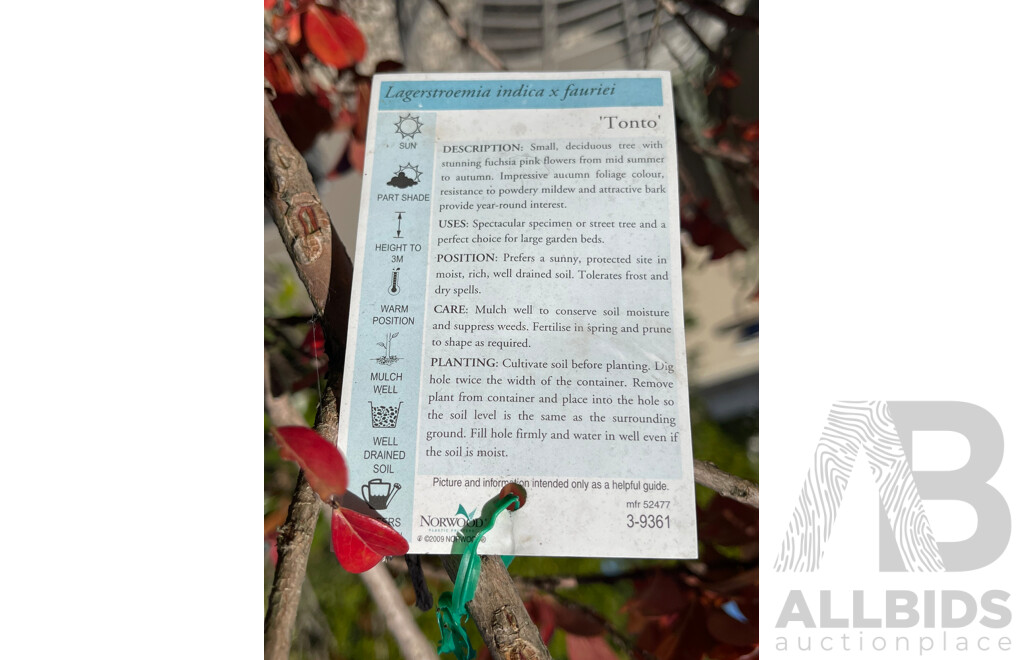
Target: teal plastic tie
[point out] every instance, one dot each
(451, 606)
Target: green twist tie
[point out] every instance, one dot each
(451, 606)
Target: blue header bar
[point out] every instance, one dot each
(520, 94)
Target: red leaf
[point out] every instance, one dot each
(728, 79)
(726, 629)
(704, 232)
(543, 616)
(577, 622)
(364, 88)
(730, 652)
(313, 344)
(724, 244)
(699, 226)
(750, 132)
(693, 640)
(294, 30)
(714, 132)
(321, 461)
(276, 73)
(661, 594)
(303, 118)
(309, 380)
(333, 37)
(361, 542)
(727, 522)
(588, 648)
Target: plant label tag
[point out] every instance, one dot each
(517, 315)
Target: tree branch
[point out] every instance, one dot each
(313, 246)
(723, 483)
(293, 542)
(499, 612)
(692, 108)
(411, 641)
(296, 535)
(296, 532)
(652, 36)
(326, 271)
(476, 46)
(670, 8)
(719, 12)
(413, 644)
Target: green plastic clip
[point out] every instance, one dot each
(451, 606)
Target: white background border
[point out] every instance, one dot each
(890, 251)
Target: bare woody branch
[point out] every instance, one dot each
(413, 644)
(296, 533)
(326, 271)
(319, 257)
(411, 640)
(295, 538)
(719, 12)
(499, 612)
(692, 108)
(670, 8)
(723, 483)
(476, 46)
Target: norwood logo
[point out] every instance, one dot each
(462, 518)
(882, 431)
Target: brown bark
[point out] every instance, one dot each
(723, 483)
(319, 257)
(476, 46)
(326, 271)
(287, 594)
(499, 612)
(293, 542)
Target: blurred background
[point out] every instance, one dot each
(319, 58)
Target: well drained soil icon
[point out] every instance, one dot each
(384, 417)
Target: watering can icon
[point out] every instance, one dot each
(379, 493)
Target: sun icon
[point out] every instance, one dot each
(408, 125)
